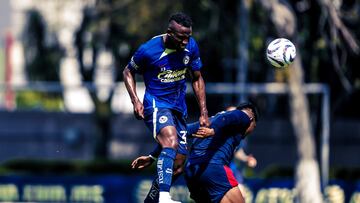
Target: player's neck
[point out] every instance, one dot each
(167, 44)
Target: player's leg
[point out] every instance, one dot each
(197, 188)
(153, 195)
(182, 151)
(233, 196)
(241, 187)
(179, 165)
(218, 181)
(238, 176)
(166, 135)
(165, 163)
(161, 123)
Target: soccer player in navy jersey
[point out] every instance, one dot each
(240, 157)
(163, 61)
(207, 172)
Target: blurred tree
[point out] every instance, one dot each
(284, 18)
(307, 170)
(42, 58)
(43, 53)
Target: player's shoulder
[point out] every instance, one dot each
(192, 43)
(237, 113)
(155, 41)
(232, 115)
(150, 45)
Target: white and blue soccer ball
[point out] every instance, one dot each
(281, 52)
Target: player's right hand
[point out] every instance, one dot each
(139, 110)
(204, 120)
(204, 132)
(142, 162)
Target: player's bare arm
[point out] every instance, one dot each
(199, 90)
(129, 80)
(250, 160)
(142, 162)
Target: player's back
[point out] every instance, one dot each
(219, 149)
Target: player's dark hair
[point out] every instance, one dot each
(182, 19)
(250, 106)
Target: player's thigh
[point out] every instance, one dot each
(196, 188)
(181, 129)
(233, 196)
(218, 180)
(168, 137)
(161, 123)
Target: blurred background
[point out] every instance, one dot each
(67, 132)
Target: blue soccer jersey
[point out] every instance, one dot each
(164, 72)
(219, 149)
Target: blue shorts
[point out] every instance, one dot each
(157, 119)
(209, 182)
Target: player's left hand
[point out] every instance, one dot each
(142, 162)
(204, 132)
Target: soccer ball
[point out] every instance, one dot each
(281, 52)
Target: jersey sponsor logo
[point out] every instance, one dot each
(163, 119)
(133, 64)
(172, 75)
(186, 60)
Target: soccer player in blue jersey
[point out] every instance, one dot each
(207, 173)
(163, 61)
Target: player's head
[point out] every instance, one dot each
(253, 112)
(251, 106)
(230, 108)
(179, 31)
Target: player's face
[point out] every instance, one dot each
(252, 125)
(251, 128)
(178, 36)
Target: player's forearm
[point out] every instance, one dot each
(129, 80)
(240, 155)
(156, 152)
(199, 90)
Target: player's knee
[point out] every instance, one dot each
(170, 142)
(168, 137)
(173, 144)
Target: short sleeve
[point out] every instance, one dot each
(195, 63)
(138, 60)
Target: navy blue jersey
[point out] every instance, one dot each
(229, 127)
(164, 72)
